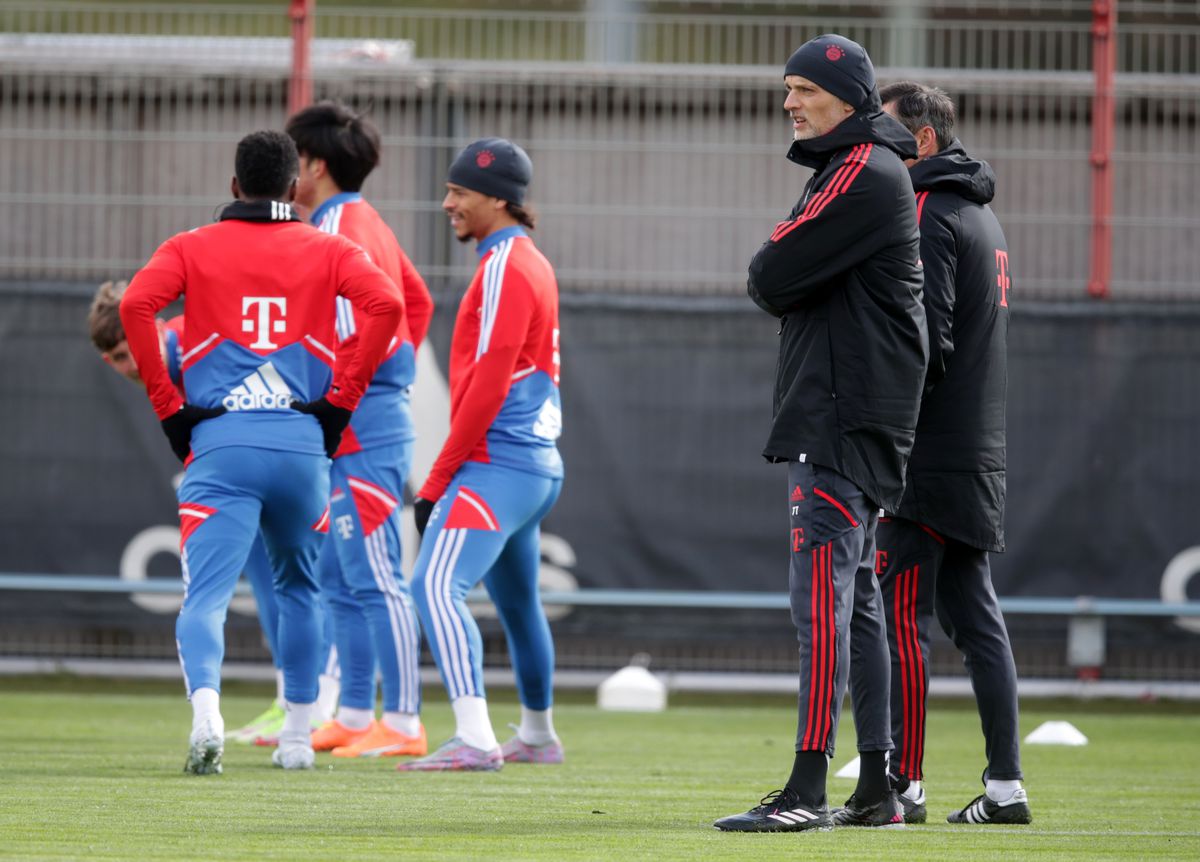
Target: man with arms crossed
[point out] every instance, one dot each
(259, 317)
(933, 551)
(499, 472)
(374, 621)
(842, 274)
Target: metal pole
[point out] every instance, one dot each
(300, 85)
(1104, 62)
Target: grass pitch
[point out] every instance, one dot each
(93, 770)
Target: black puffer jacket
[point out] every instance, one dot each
(842, 273)
(956, 473)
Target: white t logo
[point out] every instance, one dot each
(262, 324)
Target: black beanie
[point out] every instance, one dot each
(494, 167)
(838, 65)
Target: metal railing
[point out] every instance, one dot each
(1156, 38)
(1086, 635)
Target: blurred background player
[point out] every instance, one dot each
(843, 276)
(259, 319)
(108, 336)
(933, 552)
(499, 472)
(374, 621)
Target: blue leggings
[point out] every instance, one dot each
(374, 621)
(486, 527)
(227, 496)
(262, 582)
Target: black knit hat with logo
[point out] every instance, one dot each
(494, 167)
(840, 66)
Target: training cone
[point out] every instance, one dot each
(850, 770)
(633, 689)
(1056, 733)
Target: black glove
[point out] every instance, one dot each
(422, 509)
(333, 420)
(178, 426)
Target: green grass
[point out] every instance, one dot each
(95, 773)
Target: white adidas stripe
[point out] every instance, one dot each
(322, 348)
(460, 645)
(493, 282)
(331, 223)
(195, 513)
(368, 488)
(796, 815)
(345, 318)
(453, 648)
(479, 507)
(203, 344)
(399, 613)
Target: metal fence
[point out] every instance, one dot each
(659, 166)
(1044, 35)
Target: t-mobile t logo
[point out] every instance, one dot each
(260, 322)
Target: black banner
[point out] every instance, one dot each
(666, 407)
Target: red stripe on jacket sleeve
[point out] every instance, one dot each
(921, 204)
(842, 179)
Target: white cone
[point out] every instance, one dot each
(1056, 733)
(850, 770)
(632, 689)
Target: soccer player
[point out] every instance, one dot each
(259, 317)
(375, 622)
(108, 336)
(933, 551)
(842, 274)
(499, 472)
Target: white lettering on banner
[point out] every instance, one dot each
(549, 422)
(261, 323)
(1183, 567)
(135, 566)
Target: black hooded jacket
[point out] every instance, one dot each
(842, 273)
(956, 473)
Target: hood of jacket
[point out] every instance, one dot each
(952, 170)
(862, 127)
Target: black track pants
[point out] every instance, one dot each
(921, 572)
(832, 544)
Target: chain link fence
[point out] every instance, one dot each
(659, 169)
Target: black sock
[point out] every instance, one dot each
(872, 777)
(808, 777)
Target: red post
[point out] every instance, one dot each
(1104, 63)
(300, 85)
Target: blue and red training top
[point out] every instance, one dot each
(504, 366)
(259, 314)
(383, 416)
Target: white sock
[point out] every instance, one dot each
(913, 791)
(472, 724)
(328, 691)
(278, 685)
(1002, 791)
(297, 721)
(355, 718)
(537, 726)
(403, 722)
(206, 706)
